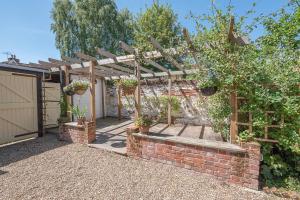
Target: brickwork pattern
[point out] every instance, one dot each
(231, 167)
(78, 134)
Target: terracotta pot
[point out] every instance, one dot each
(81, 120)
(144, 129)
(128, 91)
(208, 91)
(80, 92)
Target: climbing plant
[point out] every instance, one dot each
(266, 73)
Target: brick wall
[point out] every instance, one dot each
(83, 134)
(227, 162)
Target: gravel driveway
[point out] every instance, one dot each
(47, 169)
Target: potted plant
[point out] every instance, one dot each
(144, 123)
(79, 114)
(80, 86)
(69, 90)
(208, 86)
(63, 117)
(127, 85)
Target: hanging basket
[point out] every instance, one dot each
(80, 92)
(68, 90)
(69, 93)
(208, 91)
(126, 91)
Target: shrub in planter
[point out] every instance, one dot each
(80, 86)
(127, 85)
(79, 114)
(144, 123)
(63, 117)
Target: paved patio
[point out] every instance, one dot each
(111, 133)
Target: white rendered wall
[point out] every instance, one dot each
(84, 100)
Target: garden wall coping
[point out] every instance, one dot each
(194, 142)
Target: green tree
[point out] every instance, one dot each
(159, 22)
(82, 25)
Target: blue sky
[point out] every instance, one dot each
(25, 25)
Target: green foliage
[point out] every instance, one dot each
(126, 83)
(82, 25)
(164, 101)
(80, 85)
(75, 86)
(68, 89)
(265, 72)
(245, 136)
(160, 22)
(143, 121)
(63, 106)
(207, 82)
(77, 112)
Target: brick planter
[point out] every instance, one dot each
(83, 134)
(227, 162)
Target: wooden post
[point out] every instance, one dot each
(266, 126)
(138, 91)
(66, 69)
(119, 103)
(169, 100)
(103, 97)
(92, 91)
(234, 115)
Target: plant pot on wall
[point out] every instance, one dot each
(144, 123)
(144, 129)
(81, 120)
(208, 91)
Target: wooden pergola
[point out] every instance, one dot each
(114, 67)
(131, 66)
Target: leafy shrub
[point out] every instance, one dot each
(143, 121)
(77, 112)
(164, 101)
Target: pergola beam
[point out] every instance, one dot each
(191, 46)
(71, 60)
(38, 66)
(128, 59)
(60, 62)
(162, 74)
(158, 47)
(104, 53)
(131, 50)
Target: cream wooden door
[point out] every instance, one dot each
(18, 107)
(52, 97)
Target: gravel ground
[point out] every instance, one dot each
(47, 169)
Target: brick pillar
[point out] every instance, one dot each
(83, 134)
(132, 143)
(252, 166)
